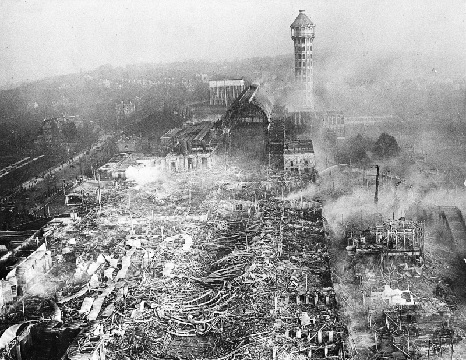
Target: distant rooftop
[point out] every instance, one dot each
(190, 132)
(226, 82)
(223, 77)
(254, 96)
(298, 146)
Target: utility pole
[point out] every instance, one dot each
(376, 196)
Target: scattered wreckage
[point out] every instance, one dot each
(188, 277)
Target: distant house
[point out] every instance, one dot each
(132, 144)
(335, 121)
(203, 77)
(123, 110)
(116, 168)
(128, 144)
(51, 131)
(54, 131)
(76, 119)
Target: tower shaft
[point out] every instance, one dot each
(302, 34)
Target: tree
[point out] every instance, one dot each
(386, 146)
(355, 150)
(69, 131)
(329, 138)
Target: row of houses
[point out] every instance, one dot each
(26, 267)
(21, 267)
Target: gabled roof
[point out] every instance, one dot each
(194, 132)
(252, 95)
(170, 133)
(264, 103)
(298, 146)
(302, 20)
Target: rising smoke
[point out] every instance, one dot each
(417, 197)
(145, 175)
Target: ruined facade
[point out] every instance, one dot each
(23, 275)
(298, 156)
(190, 147)
(246, 122)
(224, 92)
(335, 122)
(191, 138)
(179, 162)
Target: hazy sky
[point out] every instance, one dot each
(50, 37)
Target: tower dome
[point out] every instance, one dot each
(302, 20)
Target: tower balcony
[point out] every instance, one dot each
(302, 32)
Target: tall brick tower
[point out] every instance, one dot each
(302, 34)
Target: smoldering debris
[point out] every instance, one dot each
(211, 270)
(145, 175)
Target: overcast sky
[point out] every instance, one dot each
(51, 37)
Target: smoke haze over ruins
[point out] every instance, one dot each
(221, 180)
(46, 38)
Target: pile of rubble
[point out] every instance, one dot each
(388, 281)
(173, 271)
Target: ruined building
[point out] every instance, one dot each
(298, 156)
(224, 92)
(334, 121)
(246, 122)
(189, 147)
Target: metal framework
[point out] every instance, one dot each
(393, 238)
